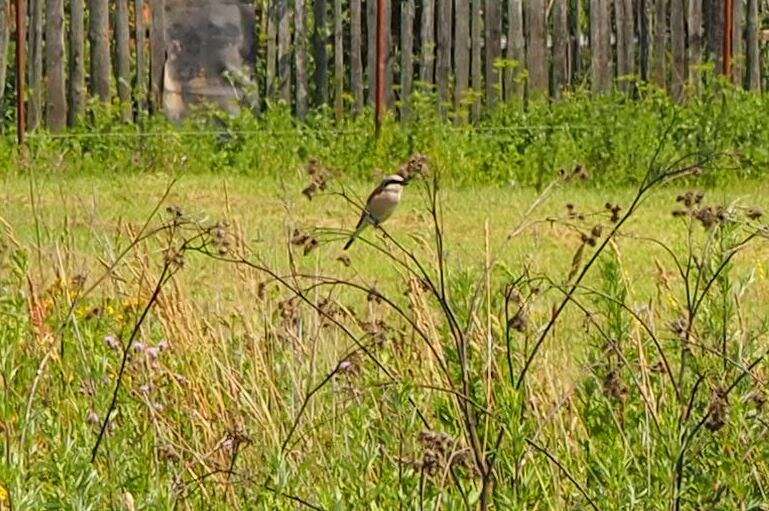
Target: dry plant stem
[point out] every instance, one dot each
(687, 438)
(165, 275)
(640, 195)
(30, 399)
(299, 294)
(565, 472)
(469, 416)
(640, 320)
(294, 498)
(142, 235)
(323, 280)
(621, 356)
(308, 396)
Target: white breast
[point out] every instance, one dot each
(384, 203)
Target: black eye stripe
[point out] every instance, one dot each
(392, 182)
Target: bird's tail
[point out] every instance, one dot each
(362, 224)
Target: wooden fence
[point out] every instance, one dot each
(472, 53)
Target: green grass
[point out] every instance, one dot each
(240, 362)
(613, 136)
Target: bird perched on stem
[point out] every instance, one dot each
(380, 204)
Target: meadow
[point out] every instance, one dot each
(566, 312)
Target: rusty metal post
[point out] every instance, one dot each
(381, 65)
(21, 65)
(728, 37)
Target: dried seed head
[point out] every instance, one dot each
(345, 260)
(520, 321)
(708, 216)
(514, 296)
(299, 238)
(581, 173)
(597, 231)
(680, 327)
(168, 453)
(374, 296)
(78, 281)
(614, 386)
(153, 353)
(755, 213)
(174, 211)
(614, 210)
(313, 166)
(415, 166)
(718, 410)
(261, 290)
(758, 398)
(310, 245)
(174, 258)
(310, 191)
(112, 342)
(93, 418)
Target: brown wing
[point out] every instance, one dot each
(365, 212)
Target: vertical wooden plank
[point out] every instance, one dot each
(711, 45)
(643, 15)
(320, 54)
(426, 69)
(516, 50)
(141, 63)
(694, 34)
(560, 46)
(35, 63)
(443, 61)
(254, 94)
(408, 13)
(5, 37)
(371, 49)
(272, 50)
(99, 37)
(300, 58)
(56, 104)
(599, 46)
(338, 61)
(20, 86)
(157, 54)
(390, 54)
(76, 61)
(678, 45)
(284, 51)
(753, 55)
(493, 29)
(356, 60)
(716, 37)
(476, 74)
(624, 17)
(123, 57)
(659, 45)
(738, 45)
(536, 56)
(575, 33)
(461, 49)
